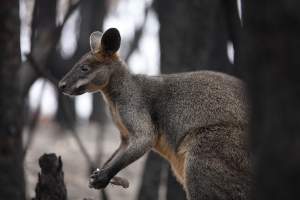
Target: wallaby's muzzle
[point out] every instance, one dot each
(71, 88)
(71, 91)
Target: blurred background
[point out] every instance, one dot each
(41, 40)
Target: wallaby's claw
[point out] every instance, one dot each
(99, 179)
(95, 173)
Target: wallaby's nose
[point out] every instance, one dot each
(62, 85)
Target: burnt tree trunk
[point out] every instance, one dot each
(11, 123)
(271, 57)
(51, 185)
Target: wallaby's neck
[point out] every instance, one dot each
(120, 79)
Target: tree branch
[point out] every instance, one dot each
(33, 122)
(70, 11)
(41, 71)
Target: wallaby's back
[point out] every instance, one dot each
(181, 103)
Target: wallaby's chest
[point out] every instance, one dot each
(115, 114)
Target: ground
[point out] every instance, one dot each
(50, 139)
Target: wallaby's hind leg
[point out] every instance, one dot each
(200, 180)
(207, 179)
(217, 166)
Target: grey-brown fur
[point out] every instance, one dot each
(182, 103)
(199, 118)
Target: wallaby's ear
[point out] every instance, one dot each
(111, 40)
(95, 41)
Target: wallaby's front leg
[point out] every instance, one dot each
(134, 150)
(140, 140)
(120, 149)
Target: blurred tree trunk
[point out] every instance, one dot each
(194, 35)
(66, 121)
(271, 57)
(151, 179)
(11, 123)
(91, 18)
(93, 14)
(44, 32)
(174, 189)
(234, 33)
(42, 28)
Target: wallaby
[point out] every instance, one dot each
(196, 120)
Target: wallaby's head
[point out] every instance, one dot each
(92, 72)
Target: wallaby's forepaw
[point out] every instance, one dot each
(99, 179)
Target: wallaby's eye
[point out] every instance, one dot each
(85, 68)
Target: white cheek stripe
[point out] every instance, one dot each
(82, 82)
